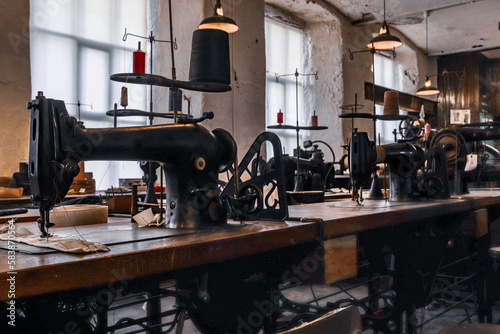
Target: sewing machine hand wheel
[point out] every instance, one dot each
(410, 127)
(250, 198)
(433, 186)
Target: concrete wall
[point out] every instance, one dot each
(15, 85)
(324, 95)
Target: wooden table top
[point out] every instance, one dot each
(345, 217)
(41, 274)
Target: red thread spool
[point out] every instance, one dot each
(139, 61)
(314, 120)
(280, 117)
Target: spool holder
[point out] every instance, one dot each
(375, 117)
(152, 39)
(298, 185)
(173, 46)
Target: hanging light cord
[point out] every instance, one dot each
(426, 14)
(384, 10)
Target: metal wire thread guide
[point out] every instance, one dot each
(298, 184)
(78, 104)
(173, 46)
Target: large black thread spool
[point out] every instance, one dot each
(210, 57)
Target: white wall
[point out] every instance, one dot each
(326, 94)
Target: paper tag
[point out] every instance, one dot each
(471, 162)
(148, 218)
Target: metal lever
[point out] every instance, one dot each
(206, 115)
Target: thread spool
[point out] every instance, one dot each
(139, 61)
(280, 117)
(124, 97)
(314, 119)
(391, 103)
(210, 57)
(427, 131)
(81, 173)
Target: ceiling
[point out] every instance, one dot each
(453, 25)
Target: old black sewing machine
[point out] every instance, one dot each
(413, 173)
(470, 158)
(316, 173)
(191, 155)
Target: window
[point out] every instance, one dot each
(75, 47)
(284, 55)
(385, 72)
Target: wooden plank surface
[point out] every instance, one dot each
(346, 217)
(41, 274)
(482, 198)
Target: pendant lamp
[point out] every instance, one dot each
(384, 40)
(219, 21)
(427, 89)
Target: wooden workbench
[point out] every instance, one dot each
(142, 258)
(62, 271)
(335, 226)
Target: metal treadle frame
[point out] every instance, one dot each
(271, 183)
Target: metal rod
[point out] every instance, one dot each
(151, 40)
(171, 38)
(297, 115)
(115, 115)
(373, 92)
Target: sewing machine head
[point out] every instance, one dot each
(405, 161)
(191, 155)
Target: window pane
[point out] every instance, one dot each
(94, 77)
(75, 47)
(56, 16)
(53, 66)
(284, 55)
(91, 25)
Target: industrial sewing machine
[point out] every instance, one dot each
(469, 158)
(413, 173)
(316, 173)
(192, 157)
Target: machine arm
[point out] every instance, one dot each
(192, 157)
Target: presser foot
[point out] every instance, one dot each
(44, 223)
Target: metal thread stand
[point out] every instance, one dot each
(173, 46)
(298, 184)
(372, 52)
